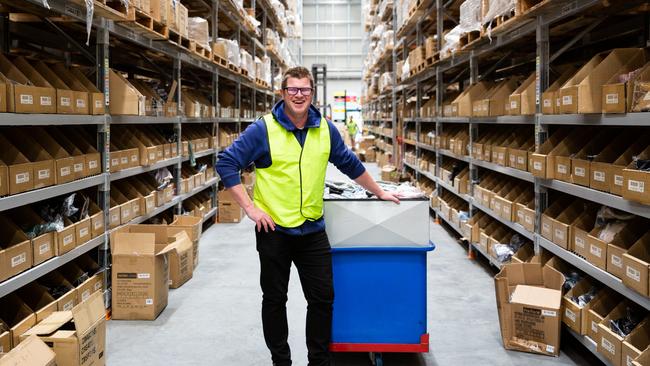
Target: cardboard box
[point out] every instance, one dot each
(528, 301)
(44, 245)
(66, 167)
(610, 344)
(635, 181)
(643, 359)
(601, 167)
(17, 315)
(630, 233)
(65, 97)
(30, 352)
(522, 100)
(229, 212)
(606, 302)
(66, 301)
(140, 261)
(75, 275)
(80, 160)
(617, 94)
(38, 299)
(193, 228)
(576, 316)
(96, 99)
(463, 104)
(494, 101)
(636, 342)
(553, 211)
(579, 232)
(77, 337)
(542, 162)
(551, 101)
(15, 250)
(28, 91)
(636, 262)
(125, 98)
(569, 92)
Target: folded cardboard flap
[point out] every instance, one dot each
(30, 352)
(536, 296)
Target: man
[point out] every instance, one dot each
(291, 147)
(352, 131)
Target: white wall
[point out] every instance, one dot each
(352, 86)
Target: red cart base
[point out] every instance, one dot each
(422, 347)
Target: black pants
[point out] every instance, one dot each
(312, 256)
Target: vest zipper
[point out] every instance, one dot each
(302, 148)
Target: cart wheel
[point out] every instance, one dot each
(376, 359)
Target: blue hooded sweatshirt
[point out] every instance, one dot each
(252, 146)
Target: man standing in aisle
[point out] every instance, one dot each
(291, 148)
(352, 131)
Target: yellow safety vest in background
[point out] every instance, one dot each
(291, 189)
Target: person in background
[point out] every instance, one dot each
(352, 131)
(291, 148)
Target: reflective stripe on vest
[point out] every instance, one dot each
(291, 189)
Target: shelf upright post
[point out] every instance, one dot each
(178, 129)
(439, 82)
(102, 49)
(5, 41)
(473, 129)
(238, 96)
(541, 131)
(418, 102)
(215, 92)
(394, 94)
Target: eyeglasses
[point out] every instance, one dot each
(294, 91)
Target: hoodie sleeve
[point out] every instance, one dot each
(251, 146)
(342, 157)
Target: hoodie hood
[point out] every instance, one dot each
(313, 117)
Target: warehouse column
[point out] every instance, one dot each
(176, 75)
(541, 84)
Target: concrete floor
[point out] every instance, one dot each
(214, 319)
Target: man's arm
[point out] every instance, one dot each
(261, 218)
(348, 163)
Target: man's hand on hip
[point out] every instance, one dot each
(261, 218)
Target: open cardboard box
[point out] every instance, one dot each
(65, 97)
(579, 232)
(526, 195)
(147, 193)
(125, 98)
(31, 93)
(74, 274)
(78, 337)
(635, 181)
(526, 214)
(79, 162)
(568, 93)
(580, 162)
(522, 100)
(636, 262)
(551, 213)
(562, 223)
(616, 93)
(38, 299)
(125, 205)
(518, 155)
(601, 167)
(153, 103)
(607, 300)
(93, 158)
(43, 246)
(566, 148)
(464, 102)
(575, 316)
(54, 279)
(17, 315)
(494, 101)
(486, 233)
(95, 96)
(64, 164)
(96, 219)
(85, 101)
(630, 232)
(636, 342)
(525, 254)
(542, 162)
(87, 264)
(610, 344)
(551, 100)
(15, 250)
(521, 288)
(42, 163)
(622, 162)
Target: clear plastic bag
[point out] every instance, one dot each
(585, 298)
(163, 178)
(625, 325)
(571, 279)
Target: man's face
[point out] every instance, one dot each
(298, 104)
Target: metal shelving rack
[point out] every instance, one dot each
(106, 31)
(535, 26)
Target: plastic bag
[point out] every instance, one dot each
(585, 298)
(571, 279)
(199, 30)
(90, 11)
(503, 252)
(163, 178)
(625, 325)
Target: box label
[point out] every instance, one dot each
(83, 232)
(65, 102)
(580, 172)
(152, 155)
(44, 248)
(18, 260)
(98, 104)
(561, 168)
(22, 178)
(607, 345)
(43, 174)
(78, 168)
(567, 100)
(599, 176)
(98, 224)
(46, 101)
(148, 302)
(537, 165)
(636, 186)
(557, 102)
(611, 99)
(144, 276)
(596, 251)
(81, 103)
(65, 171)
(134, 158)
(115, 217)
(67, 240)
(629, 361)
(570, 314)
(633, 273)
(559, 233)
(115, 162)
(521, 160)
(68, 306)
(126, 212)
(85, 295)
(594, 326)
(580, 242)
(98, 285)
(550, 349)
(546, 227)
(529, 220)
(549, 313)
(547, 103)
(124, 160)
(513, 104)
(26, 99)
(618, 180)
(617, 261)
